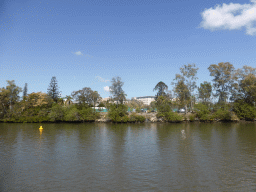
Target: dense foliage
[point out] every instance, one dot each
(244, 110)
(173, 117)
(118, 113)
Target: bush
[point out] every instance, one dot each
(72, 114)
(125, 119)
(206, 117)
(173, 117)
(223, 115)
(160, 115)
(43, 115)
(201, 110)
(87, 114)
(136, 118)
(57, 113)
(244, 110)
(140, 118)
(192, 117)
(116, 112)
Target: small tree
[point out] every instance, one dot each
(53, 90)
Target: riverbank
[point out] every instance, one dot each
(152, 117)
(149, 118)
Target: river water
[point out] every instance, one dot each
(128, 157)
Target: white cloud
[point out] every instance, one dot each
(101, 79)
(106, 88)
(231, 16)
(79, 53)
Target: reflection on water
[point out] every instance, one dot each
(129, 157)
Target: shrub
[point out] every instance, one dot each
(43, 115)
(136, 118)
(201, 110)
(57, 113)
(206, 117)
(222, 114)
(72, 114)
(125, 119)
(245, 110)
(173, 117)
(88, 114)
(192, 117)
(160, 115)
(140, 118)
(116, 112)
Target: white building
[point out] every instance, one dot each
(105, 99)
(109, 99)
(146, 99)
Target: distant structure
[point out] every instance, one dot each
(109, 99)
(105, 99)
(146, 99)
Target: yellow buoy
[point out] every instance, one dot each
(41, 127)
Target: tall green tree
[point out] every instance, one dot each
(224, 81)
(163, 104)
(247, 84)
(189, 73)
(95, 97)
(9, 96)
(205, 91)
(83, 96)
(182, 94)
(53, 90)
(116, 90)
(186, 84)
(161, 89)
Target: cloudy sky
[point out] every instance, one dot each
(86, 43)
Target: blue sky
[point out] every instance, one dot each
(86, 43)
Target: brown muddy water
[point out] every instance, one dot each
(128, 157)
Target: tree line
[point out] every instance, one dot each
(232, 92)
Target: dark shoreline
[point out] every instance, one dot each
(147, 121)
